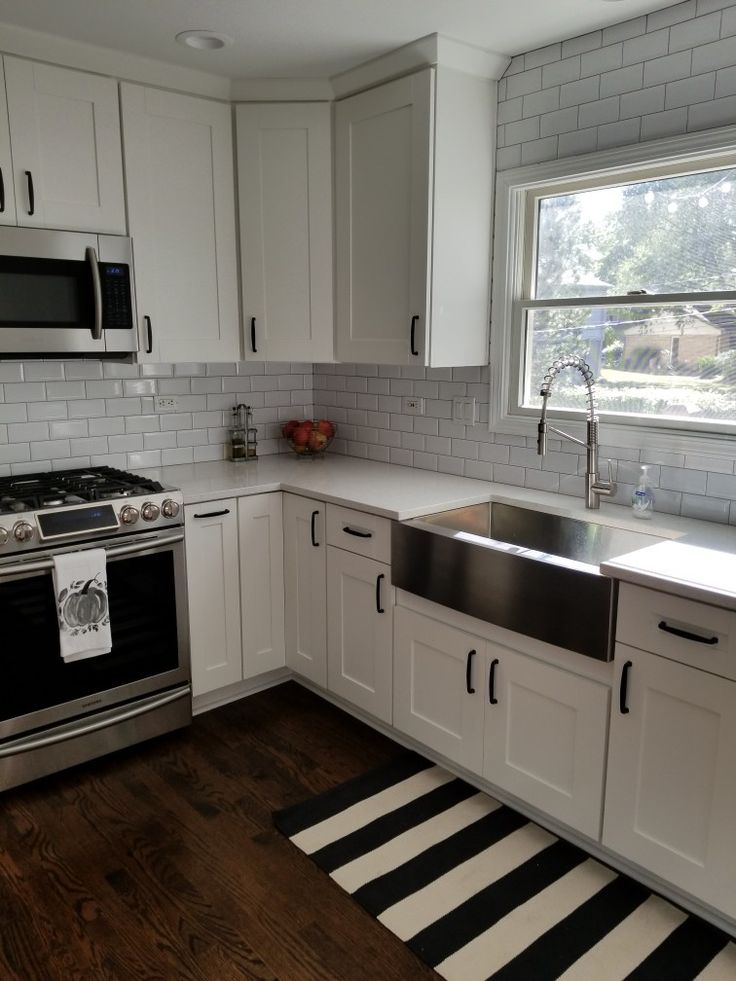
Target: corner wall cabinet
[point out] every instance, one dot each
(285, 198)
(181, 208)
(63, 129)
(413, 198)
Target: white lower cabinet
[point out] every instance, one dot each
(360, 631)
(438, 687)
(260, 530)
(671, 787)
(305, 587)
(545, 737)
(214, 594)
(528, 727)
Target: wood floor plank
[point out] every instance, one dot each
(162, 862)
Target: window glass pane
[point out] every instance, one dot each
(655, 362)
(669, 235)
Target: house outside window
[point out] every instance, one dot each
(627, 259)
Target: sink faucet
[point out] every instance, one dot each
(595, 488)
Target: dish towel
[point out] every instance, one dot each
(80, 585)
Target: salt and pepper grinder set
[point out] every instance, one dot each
(243, 434)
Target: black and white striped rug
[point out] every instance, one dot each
(478, 891)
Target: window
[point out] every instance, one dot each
(632, 266)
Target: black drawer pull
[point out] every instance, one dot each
(213, 514)
(624, 689)
(313, 529)
(379, 608)
(492, 683)
(358, 534)
(31, 195)
(469, 673)
(412, 345)
(253, 347)
(663, 625)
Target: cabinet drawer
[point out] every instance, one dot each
(360, 532)
(683, 630)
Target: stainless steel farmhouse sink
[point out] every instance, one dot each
(529, 571)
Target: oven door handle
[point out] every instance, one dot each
(25, 746)
(43, 565)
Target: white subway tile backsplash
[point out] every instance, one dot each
(25, 391)
(645, 47)
(579, 45)
(710, 57)
(671, 15)
(622, 80)
(687, 91)
(601, 60)
(699, 30)
(627, 29)
(602, 111)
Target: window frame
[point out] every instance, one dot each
(514, 249)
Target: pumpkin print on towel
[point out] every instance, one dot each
(83, 606)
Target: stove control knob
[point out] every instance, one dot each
(150, 511)
(129, 515)
(170, 508)
(23, 531)
(3, 536)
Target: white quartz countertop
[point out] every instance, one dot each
(695, 559)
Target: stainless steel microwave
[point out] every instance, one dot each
(66, 293)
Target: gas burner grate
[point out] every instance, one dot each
(36, 491)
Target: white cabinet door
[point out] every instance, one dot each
(360, 601)
(181, 206)
(214, 594)
(383, 151)
(7, 185)
(545, 737)
(305, 587)
(285, 194)
(67, 157)
(262, 582)
(439, 690)
(671, 785)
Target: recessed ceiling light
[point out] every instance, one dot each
(203, 40)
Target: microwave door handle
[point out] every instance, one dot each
(91, 256)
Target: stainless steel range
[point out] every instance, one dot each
(54, 714)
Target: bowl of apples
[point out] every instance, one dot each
(309, 438)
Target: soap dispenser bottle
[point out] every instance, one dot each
(642, 500)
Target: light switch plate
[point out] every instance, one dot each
(464, 410)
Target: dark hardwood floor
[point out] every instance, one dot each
(161, 862)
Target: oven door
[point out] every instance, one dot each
(146, 581)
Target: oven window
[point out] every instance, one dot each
(144, 637)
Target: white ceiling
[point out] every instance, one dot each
(312, 38)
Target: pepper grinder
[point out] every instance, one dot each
(243, 434)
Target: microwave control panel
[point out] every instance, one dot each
(116, 293)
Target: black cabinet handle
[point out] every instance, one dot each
(213, 514)
(253, 347)
(469, 673)
(357, 534)
(2, 191)
(492, 683)
(31, 195)
(678, 632)
(624, 689)
(379, 608)
(413, 335)
(314, 528)
(149, 334)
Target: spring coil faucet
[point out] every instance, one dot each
(595, 488)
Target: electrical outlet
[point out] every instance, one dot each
(166, 403)
(464, 410)
(412, 405)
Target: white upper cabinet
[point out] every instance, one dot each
(7, 189)
(413, 196)
(65, 138)
(181, 208)
(285, 193)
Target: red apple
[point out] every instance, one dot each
(300, 437)
(326, 427)
(290, 427)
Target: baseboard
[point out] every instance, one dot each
(232, 693)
